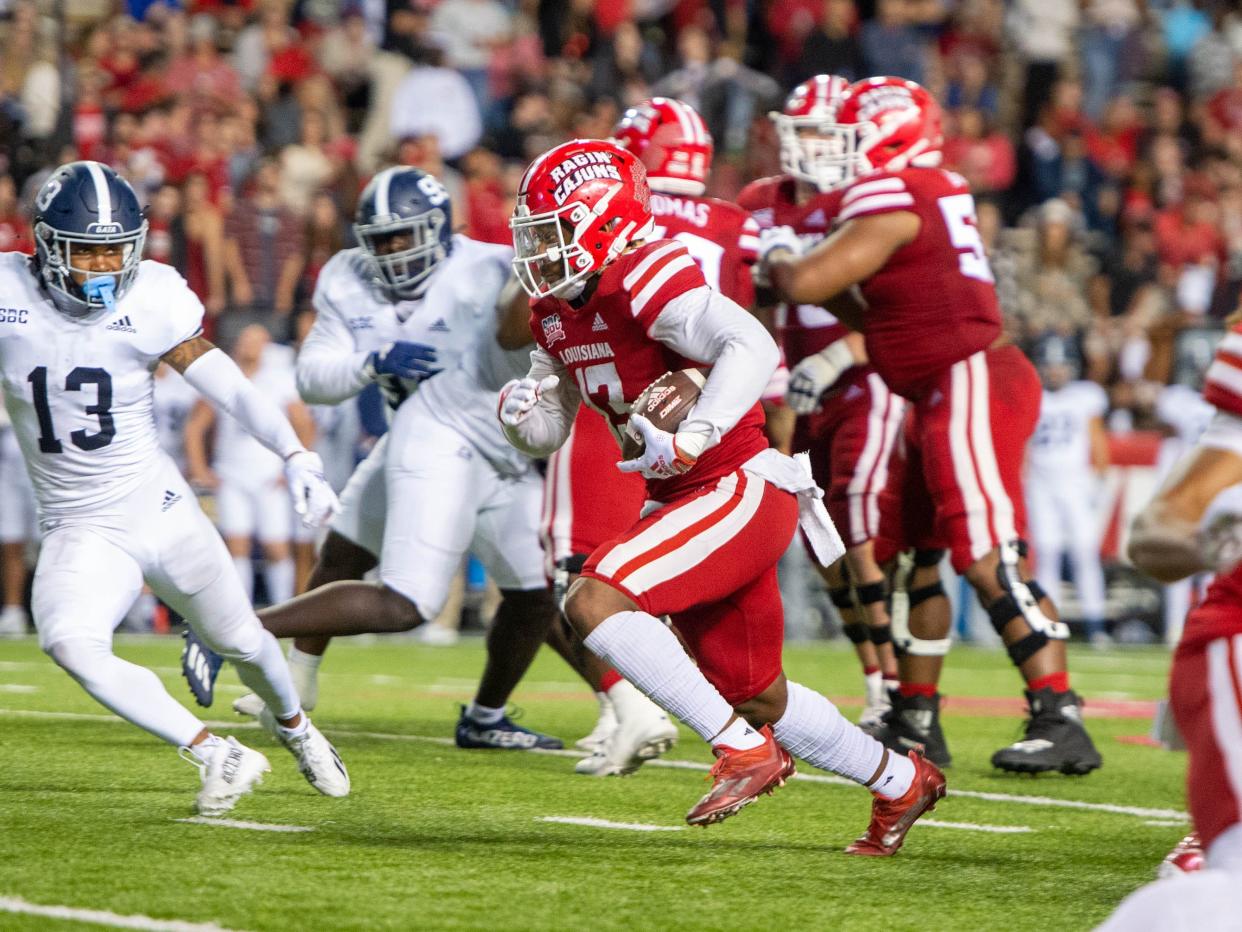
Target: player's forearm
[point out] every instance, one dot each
(706, 326)
(329, 378)
(217, 378)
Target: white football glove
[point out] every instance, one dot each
(664, 455)
(771, 241)
(313, 498)
(815, 374)
(1221, 542)
(519, 397)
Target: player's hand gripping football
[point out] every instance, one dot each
(663, 456)
(815, 374)
(313, 498)
(519, 397)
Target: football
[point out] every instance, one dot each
(665, 403)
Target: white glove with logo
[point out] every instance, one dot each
(664, 455)
(313, 498)
(519, 397)
(813, 376)
(1221, 542)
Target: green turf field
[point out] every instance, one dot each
(434, 837)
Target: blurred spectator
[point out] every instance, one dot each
(1052, 275)
(324, 238)
(162, 215)
(892, 44)
(983, 156)
(199, 249)
(201, 75)
(488, 204)
(345, 56)
(305, 166)
(434, 100)
(625, 67)
(1111, 50)
(14, 225)
(1183, 25)
(424, 152)
(970, 87)
(469, 30)
(832, 48)
(264, 250)
(1042, 31)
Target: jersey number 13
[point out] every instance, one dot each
(78, 379)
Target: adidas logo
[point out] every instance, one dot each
(439, 326)
(170, 498)
(122, 325)
(599, 324)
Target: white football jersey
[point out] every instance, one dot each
(457, 315)
(79, 391)
(174, 399)
(237, 457)
(1062, 441)
(1183, 409)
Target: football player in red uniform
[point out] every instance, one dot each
(906, 236)
(613, 310)
(847, 418)
(1169, 541)
(673, 143)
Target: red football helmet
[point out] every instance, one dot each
(672, 140)
(806, 130)
(888, 124)
(579, 206)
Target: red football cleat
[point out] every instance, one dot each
(740, 777)
(1186, 858)
(892, 818)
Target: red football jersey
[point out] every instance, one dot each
(1218, 616)
(721, 237)
(605, 347)
(934, 301)
(806, 328)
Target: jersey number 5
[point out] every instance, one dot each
(959, 216)
(75, 382)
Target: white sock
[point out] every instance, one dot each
(484, 715)
(132, 692)
(296, 730)
(629, 704)
(739, 735)
(278, 576)
(204, 748)
(264, 671)
(603, 700)
(649, 655)
(304, 668)
(245, 572)
(814, 730)
(897, 776)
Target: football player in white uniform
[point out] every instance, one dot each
(251, 501)
(91, 323)
(173, 401)
(427, 315)
(17, 528)
(1066, 455)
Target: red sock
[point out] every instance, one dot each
(908, 690)
(1058, 681)
(867, 671)
(610, 679)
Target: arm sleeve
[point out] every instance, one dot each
(705, 325)
(329, 368)
(547, 426)
(217, 378)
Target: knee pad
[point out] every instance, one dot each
(842, 597)
(857, 632)
(562, 572)
(870, 593)
(1021, 600)
(926, 558)
(905, 599)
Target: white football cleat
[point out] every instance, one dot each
(605, 725)
(643, 733)
(875, 704)
(316, 757)
(249, 704)
(13, 621)
(229, 770)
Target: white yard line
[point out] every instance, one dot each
(13, 904)
(1049, 801)
(17, 688)
(1167, 823)
(972, 827)
(604, 823)
(252, 826)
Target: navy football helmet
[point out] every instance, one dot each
(404, 201)
(86, 204)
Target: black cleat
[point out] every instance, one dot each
(914, 722)
(200, 665)
(1054, 738)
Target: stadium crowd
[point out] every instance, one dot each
(1103, 139)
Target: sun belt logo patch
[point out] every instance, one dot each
(552, 329)
(577, 170)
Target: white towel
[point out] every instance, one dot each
(793, 474)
